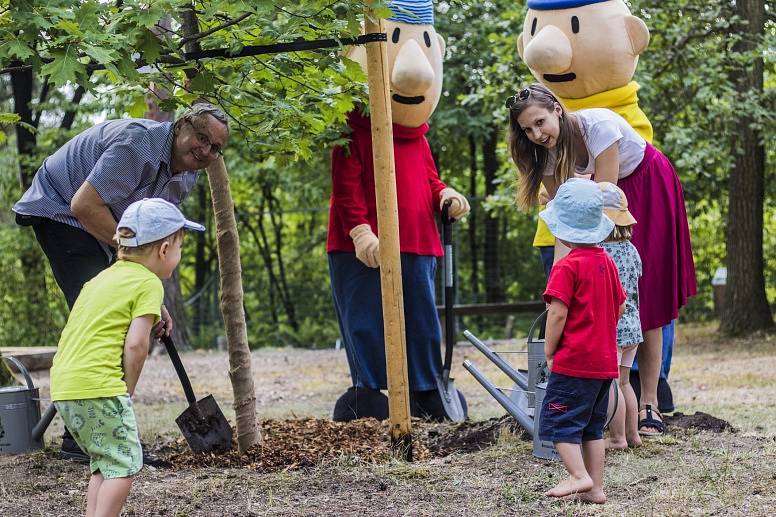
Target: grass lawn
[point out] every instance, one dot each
(685, 472)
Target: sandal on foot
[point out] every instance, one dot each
(650, 421)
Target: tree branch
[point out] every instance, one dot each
(202, 34)
(225, 53)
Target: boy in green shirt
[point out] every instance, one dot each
(104, 345)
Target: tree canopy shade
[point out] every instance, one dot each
(286, 111)
(282, 102)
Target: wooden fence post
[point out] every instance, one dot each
(388, 231)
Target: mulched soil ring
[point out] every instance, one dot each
(700, 420)
(305, 443)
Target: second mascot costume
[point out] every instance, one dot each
(586, 52)
(415, 54)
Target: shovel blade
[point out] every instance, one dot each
(450, 400)
(205, 428)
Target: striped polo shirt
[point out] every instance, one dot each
(124, 160)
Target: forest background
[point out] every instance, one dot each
(699, 87)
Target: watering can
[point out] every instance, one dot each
(19, 414)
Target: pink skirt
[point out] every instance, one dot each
(662, 237)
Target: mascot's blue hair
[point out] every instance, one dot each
(551, 5)
(416, 12)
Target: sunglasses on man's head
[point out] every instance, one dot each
(522, 95)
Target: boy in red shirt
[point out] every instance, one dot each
(586, 300)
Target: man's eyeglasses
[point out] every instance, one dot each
(204, 140)
(522, 95)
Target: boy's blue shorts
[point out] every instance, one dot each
(574, 409)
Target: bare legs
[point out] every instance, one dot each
(106, 497)
(624, 429)
(650, 354)
(585, 465)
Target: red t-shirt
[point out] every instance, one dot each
(586, 280)
(417, 189)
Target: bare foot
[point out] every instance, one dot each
(570, 486)
(634, 441)
(612, 443)
(596, 496)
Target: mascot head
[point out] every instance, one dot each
(415, 54)
(578, 48)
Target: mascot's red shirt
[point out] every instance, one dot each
(417, 185)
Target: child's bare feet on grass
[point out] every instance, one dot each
(634, 441)
(616, 444)
(570, 486)
(596, 496)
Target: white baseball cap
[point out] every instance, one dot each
(152, 219)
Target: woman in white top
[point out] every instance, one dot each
(550, 145)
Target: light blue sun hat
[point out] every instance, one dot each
(416, 12)
(576, 214)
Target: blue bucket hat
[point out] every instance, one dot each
(551, 5)
(416, 12)
(576, 214)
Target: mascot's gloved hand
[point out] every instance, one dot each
(367, 245)
(459, 206)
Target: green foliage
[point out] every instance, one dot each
(286, 110)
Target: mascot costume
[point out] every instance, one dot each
(586, 52)
(415, 54)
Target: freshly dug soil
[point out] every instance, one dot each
(304, 443)
(445, 439)
(699, 420)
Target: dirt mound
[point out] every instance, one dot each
(700, 420)
(304, 443)
(470, 436)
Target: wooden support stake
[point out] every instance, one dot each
(388, 231)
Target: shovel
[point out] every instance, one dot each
(202, 423)
(450, 399)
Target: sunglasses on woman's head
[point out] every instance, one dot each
(519, 97)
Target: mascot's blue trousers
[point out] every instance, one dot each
(357, 301)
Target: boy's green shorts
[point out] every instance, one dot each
(106, 430)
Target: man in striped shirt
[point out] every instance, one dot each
(80, 192)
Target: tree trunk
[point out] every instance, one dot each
(746, 306)
(472, 220)
(201, 264)
(494, 288)
(248, 433)
(6, 378)
(173, 298)
(276, 219)
(31, 258)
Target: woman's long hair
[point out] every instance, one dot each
(531, 159)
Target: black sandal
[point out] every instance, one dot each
(650, 421)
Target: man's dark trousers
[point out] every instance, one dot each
(74, 255)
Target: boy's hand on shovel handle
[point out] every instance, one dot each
(164, 326)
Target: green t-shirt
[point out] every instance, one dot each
(88, 363)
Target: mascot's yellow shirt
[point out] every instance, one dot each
(625, 102)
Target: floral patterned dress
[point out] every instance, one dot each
(628, 263)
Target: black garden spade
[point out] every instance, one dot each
(450, 399)
(202, 423)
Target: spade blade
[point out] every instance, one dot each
(205, 428)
